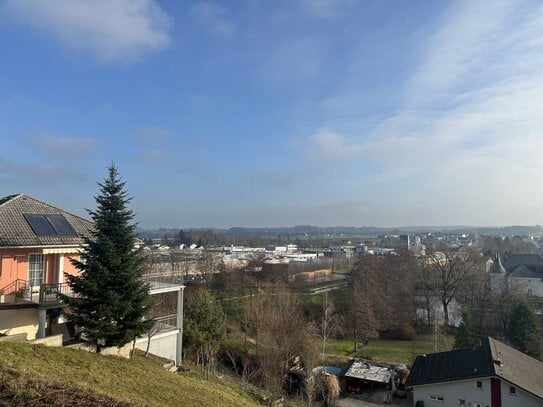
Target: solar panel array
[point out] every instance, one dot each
(49, 225)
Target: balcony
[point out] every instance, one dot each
(45, 295)
(49, 295)
(163, 282)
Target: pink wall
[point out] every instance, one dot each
(14, 265)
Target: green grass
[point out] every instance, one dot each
(390, 350)
(141, 381)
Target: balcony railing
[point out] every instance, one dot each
(52, 293)
(163, 280)
(43, 294)
(17, 287)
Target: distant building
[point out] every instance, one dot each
(404, 242)
(523, 271)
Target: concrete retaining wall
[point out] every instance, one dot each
(14, 338)
(54, 341)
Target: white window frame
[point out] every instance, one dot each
(42, 269)
(436, 397)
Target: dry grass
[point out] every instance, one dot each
(139, 382)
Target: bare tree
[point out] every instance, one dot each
(426, 286)
(365, 299)
(328, 323)
(453, 269)
(284, 337)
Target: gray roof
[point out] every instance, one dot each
(492, 359)
(523, 271)
(516, 260)
(16, 231)
(517, 368)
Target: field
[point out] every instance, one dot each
(140, 382)
(390, 350)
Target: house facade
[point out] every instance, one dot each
(521, 271)
(37, 243)
(490, 375)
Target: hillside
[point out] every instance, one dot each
(36, 373)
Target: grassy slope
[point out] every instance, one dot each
(140, 381)
(389, 350)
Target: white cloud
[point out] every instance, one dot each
(112, 30)
(466, 141)
(214, 18)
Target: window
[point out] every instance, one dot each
(35, 269)
(461, 402)
(512, 390)
(436, 397)
(479, 384)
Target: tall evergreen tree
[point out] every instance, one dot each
(465, 335)
(111, 299)
(523, 330)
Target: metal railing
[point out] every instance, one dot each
(16, 287)
(163, 280)
(52, 293)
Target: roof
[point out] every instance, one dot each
(517, 368)
(523, 271)
(369, 370)
(15, 228)
(492, 359)
(516, 260)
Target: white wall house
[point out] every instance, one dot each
(522, 271)
(491, 375)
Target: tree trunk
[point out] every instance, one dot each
(445, 313)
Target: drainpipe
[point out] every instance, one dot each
(179, 350)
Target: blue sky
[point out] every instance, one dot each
(276, 113)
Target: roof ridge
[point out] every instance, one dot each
(10, 198)
(49, 205)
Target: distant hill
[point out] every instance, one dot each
(308, 230)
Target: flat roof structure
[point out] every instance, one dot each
(371, 371)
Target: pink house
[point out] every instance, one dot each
(37, 242)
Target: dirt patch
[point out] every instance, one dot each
(18, 388)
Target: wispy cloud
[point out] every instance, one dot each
(468, 123)
(111, 30)
(328, 8)
(64, 146)
(153, 135)
(216, 19)
(41, 174)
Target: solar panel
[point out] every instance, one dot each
(40, 225)
(60, 225)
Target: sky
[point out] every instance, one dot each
(277, 113)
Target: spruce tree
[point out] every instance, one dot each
(523, 330)
(111, 299)
(465, 335)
